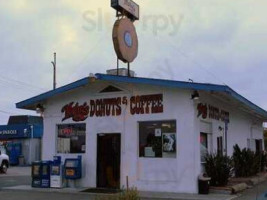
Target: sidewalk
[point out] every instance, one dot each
(26, 171)
(175, 196)
(17, 171)
(143, 195)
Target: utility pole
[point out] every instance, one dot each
(54, 63)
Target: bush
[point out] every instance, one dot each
(246, 162)
(218, 167)
(263, 161)
(131, 194)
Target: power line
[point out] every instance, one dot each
(20, 83)
(19, 86)
(85, 58)
(8, 113)
(196, 63)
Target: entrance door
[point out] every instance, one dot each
(108, 160)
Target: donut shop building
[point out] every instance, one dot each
(151, 132)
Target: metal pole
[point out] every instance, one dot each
(117, 66)
(127, 183)
(30, 153)
(129, 69)
(226, 135)
(54, 63)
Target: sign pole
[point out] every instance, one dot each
(117, 66)
(129, 70)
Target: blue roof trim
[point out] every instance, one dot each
(242, 99)
(148, 81)
(185, 85)
(162, 82)
(51, 93)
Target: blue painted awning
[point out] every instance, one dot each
(32, 102)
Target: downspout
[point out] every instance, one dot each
(31, 144)
(251, 136)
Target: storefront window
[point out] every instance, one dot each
(71, 138)
(157, 139)
(203, 146)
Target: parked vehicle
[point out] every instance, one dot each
(4, 160)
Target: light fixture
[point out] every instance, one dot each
(40, 108)
(195, 95)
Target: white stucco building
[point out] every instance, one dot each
(148, 130)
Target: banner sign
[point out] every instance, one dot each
(144, 104)
(15, 131)
(127, 6)
(208, 111)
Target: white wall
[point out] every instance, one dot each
(147, 174)
(158, 174)
(31, 153)
(242, 126)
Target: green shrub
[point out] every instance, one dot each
(218, 167)
(246, 162)
(130, 194)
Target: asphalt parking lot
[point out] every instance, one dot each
(16, 176)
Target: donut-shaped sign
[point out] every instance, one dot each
(125, 40)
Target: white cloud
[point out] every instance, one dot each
(213, 41)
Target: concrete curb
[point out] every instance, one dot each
(256, 181)
(249, 184)
(143, 195)
(239, 188)
(221, 191)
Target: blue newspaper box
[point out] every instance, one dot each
(73, 168)
(41, 174)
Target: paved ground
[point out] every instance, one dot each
(17, 171)
(15, 185)
(26, 195)
(15, 176)
(34, 195)
(256, 193)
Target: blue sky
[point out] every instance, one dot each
(207, 41)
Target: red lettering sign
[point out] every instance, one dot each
(202, 110)
(76, 112)
(145, 104)
(212, 112)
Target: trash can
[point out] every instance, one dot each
(203, 184)
(21, 160)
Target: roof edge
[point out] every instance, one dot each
(46, 95)
(29, 103)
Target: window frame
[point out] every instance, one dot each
(208, 146)
(57, 133)
(162, 152)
